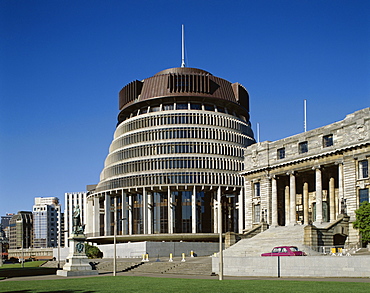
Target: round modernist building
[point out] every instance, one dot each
(177, 151)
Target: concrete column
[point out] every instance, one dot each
(124, 213)
(70, 216)
(332, 199)
(84, 205)
(274, 203)
(248, 205)
(305, 204)
(107, 219)
(150, 213)
(170, 211)
(96, 216)
(287, 204)
(89, 223)
(145, 212)
(292, 194)
(340, 187)
(268, 199)
(194, 211)
(240, 211)
(318, 184)
(130, 208)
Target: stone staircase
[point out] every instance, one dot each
(192, 266)
(267, 240)
(360, 251)
(122, 265)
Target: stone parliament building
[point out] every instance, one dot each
(183, 148)
(314, 177)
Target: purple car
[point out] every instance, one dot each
(285, 251)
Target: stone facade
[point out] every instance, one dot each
(310, 178)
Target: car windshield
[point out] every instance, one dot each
(294, 248)
(276, 250)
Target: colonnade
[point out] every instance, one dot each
(178, 211)
(285, 201)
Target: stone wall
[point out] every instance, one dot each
(309, 266)
(161, 249)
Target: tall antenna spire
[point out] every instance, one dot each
(305, 115)
(183, 47)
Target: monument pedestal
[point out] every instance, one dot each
(77, 263)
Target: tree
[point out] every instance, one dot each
(93, 251)
(362, 222)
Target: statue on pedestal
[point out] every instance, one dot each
(78, 228)
(77, 263)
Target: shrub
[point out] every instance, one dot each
(362, 222)
(93, 251)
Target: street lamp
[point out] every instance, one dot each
(115, 246)
(115, 237)
(1, 252)
(1, 247)
(59, 238)
(219, 214)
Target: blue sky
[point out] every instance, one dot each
(62, 64)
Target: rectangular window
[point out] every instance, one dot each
(257, 189)
(221, 109)
(154, 109)
(303, 147)
(208, 107)
(363, 195)
(195, 106)
(167, 107)
(256, 215)
(144, 110)
(181, 106)
(327, 140)
(281, 153)
(363, 169)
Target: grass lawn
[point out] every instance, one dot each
(148, 284)
(28, 264)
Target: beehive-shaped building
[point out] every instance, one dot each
(177, 150)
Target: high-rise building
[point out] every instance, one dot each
(46, 221)
(20, 234)
(177, 151)
(5, 222)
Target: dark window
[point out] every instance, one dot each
(221, 109)
(303, 147)
(363, 169)
(182, 106)
(144, 110)
(167, 107)
(281, 153)
(327, 140)
(257, 211)
(257, 189)
(363, 195)
(154, 108)
(194, 106)
(209, 107)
